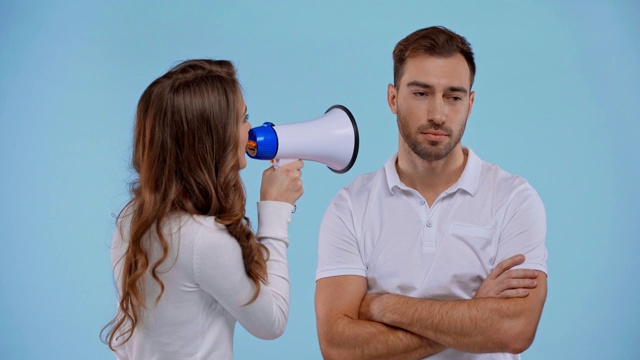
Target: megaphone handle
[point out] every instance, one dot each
(281, 162)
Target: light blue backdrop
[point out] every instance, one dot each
(557, 92)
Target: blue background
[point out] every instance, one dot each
(556, 99)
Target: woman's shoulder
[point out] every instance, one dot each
(199, 227)
(210, 243)
(206, 232)
(207, 223)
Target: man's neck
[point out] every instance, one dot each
(431, 178)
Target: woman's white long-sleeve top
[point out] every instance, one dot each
(206, 288)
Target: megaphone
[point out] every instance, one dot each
(331, 139)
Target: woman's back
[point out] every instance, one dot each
(205, 289)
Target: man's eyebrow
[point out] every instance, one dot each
(425, 85)
(461, 89)
(420, 84)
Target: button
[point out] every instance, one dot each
(429, 224)
(421, 202)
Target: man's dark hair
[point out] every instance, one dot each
(435, 41)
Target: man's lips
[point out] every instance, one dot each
(434, 135)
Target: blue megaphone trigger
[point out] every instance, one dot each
(263, 142)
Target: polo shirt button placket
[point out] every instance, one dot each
(429, 235)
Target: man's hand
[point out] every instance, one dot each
(501, 283)
(506, 283)
(502, 317)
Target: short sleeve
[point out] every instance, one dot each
(524, 229)
(339, 252)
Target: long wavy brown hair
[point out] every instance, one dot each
(185, 152)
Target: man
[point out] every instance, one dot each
(437, 253)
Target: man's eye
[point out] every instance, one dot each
(246, 117)
(419, 93)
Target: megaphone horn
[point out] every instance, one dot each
(331, 139)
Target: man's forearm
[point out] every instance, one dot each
(477, 325)
(360, 339)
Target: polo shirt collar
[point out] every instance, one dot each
(393, 179)
(469, 181)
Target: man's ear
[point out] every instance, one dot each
(392, 98)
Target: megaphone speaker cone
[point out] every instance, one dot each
(331, 139)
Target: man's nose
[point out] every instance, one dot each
(437, 110)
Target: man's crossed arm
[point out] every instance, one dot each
(502, 317)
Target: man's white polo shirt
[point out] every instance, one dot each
(380, 229)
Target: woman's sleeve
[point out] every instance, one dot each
(219, 270)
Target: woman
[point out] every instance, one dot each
(186, 262)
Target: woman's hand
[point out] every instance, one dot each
(282, 184)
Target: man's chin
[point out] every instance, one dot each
(433, 153)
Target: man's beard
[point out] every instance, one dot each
(430, 150)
